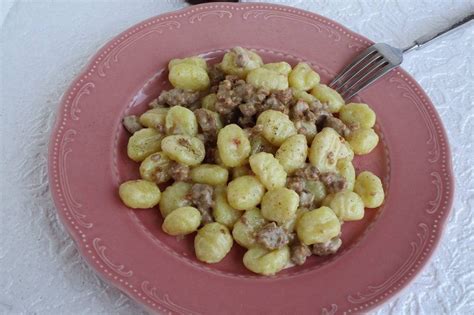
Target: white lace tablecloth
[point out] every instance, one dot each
(44, 44)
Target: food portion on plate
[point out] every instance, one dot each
(255, 154)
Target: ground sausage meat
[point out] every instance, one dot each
(327, 248)
(299, 252)
(131, 123)
(208, 124)
(215, 74)
(308, 172)
(338, 125)
(227, 99)
(242, 57)
(333, 182)
(295, 183)
(272, 236)
(180, 97)
(179, 172)
(201, 197)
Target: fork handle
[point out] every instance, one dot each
(426, 39)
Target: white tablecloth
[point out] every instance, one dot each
(44, 44)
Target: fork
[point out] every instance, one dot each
(378, 60)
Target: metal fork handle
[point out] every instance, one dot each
(426, 39)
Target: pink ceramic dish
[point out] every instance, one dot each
(87, 161)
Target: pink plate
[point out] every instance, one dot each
(87, 162)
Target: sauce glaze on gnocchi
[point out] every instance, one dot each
(260, 154)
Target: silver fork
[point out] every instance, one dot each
(379, 59)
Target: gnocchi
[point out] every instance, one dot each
(239, 61)
(329, 97)
(357, 115)
(363, 140)
(346, 169)
(184, 149)
(280, 205)
(246, 227)
(139, 194)
(265, 262)
(303, 78)
(212, 243)
(210, 174)
(327, 147)
(233, 146)
(292, 153)
(154, 118)
(188, 76)
(181, 121)
(369, 187)
(155, 168)
(245, 192)
(222, 211)
(276, 126)
(318, 226)
(209, 102)
(182, 221)
(283, 68)
(268, 79)
(174, 197)
(268, 170)
(143, 143)
(347, 205)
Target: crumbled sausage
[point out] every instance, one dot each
(333, 182)
(299, 252)
(295, 183)
(243, 90)
(246, 121)
(308, 172)
(216, 75)
(211, 155)
(338, 125)
(306, 199)
(272, 236)
(131, 123)
(327, 248)
(227, 100)
(208, 124)
(273, 103)
(179, 172)
(284, 96)
(201, 197)
(180, 97)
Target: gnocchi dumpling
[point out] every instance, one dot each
(292, 153)
(265, 262)
(346, 169)
(188, 76)
(282, 67)
(357, 115)
(209, 102)
(268, 79)
(184, 149)
(143, 143)
(182, 221)
(154, 118)
(317, 189)
(276, 126)
(233, 145)
(303, 77)
(195, 61)
(328, 96)
(245, 192)
(239, 61)
(210, 174)
(212, 243)
(369, 187)
(241, 171)
(363, 140)
(246, 227)
(327, 147)
(303, 95)
(318, 226)
(268, 170)
(174, 197)
(155, 168)
(139, 194)
(181, 121)
(347, 205)
(222, 211)
(280, 205)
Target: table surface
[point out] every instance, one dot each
(43, 46)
